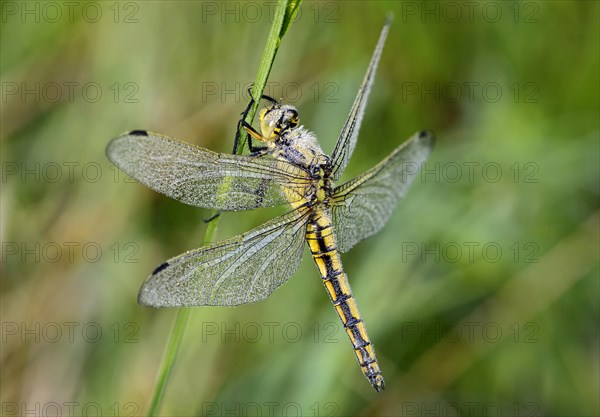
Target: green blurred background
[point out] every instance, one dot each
(481, 295)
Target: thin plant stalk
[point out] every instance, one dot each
(284, 14)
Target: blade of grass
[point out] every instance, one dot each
(284, 14)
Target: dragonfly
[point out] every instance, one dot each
(291, 169)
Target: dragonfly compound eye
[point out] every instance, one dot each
(275, 120)
(289, 117)
(270, 122)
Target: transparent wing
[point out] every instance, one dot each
(203, 178)
(347, 140)
(362, 206)
(243, 269)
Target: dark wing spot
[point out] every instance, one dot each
(428, 136)
(138, 133)
(160, 268)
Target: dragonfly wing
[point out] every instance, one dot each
(347, 140)
(203, 178)
(362, 206)
(240, 270)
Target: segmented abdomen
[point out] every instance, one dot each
(320, 238)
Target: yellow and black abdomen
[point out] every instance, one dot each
(321, 241)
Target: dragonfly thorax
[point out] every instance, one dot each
(300, 147)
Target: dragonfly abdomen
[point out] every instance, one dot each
(321, 241)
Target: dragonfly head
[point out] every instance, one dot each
(277, 119)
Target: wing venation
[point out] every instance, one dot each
(240, 270)
(347, 140)
(203, 178)
(362, 206)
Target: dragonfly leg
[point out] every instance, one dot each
(252, 134)
(270, 99)
(258, 152)
(211, 218)
(236, 141)
(263, 97)
(242, 124)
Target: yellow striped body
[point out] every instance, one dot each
(299, 147)
(321, 241)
